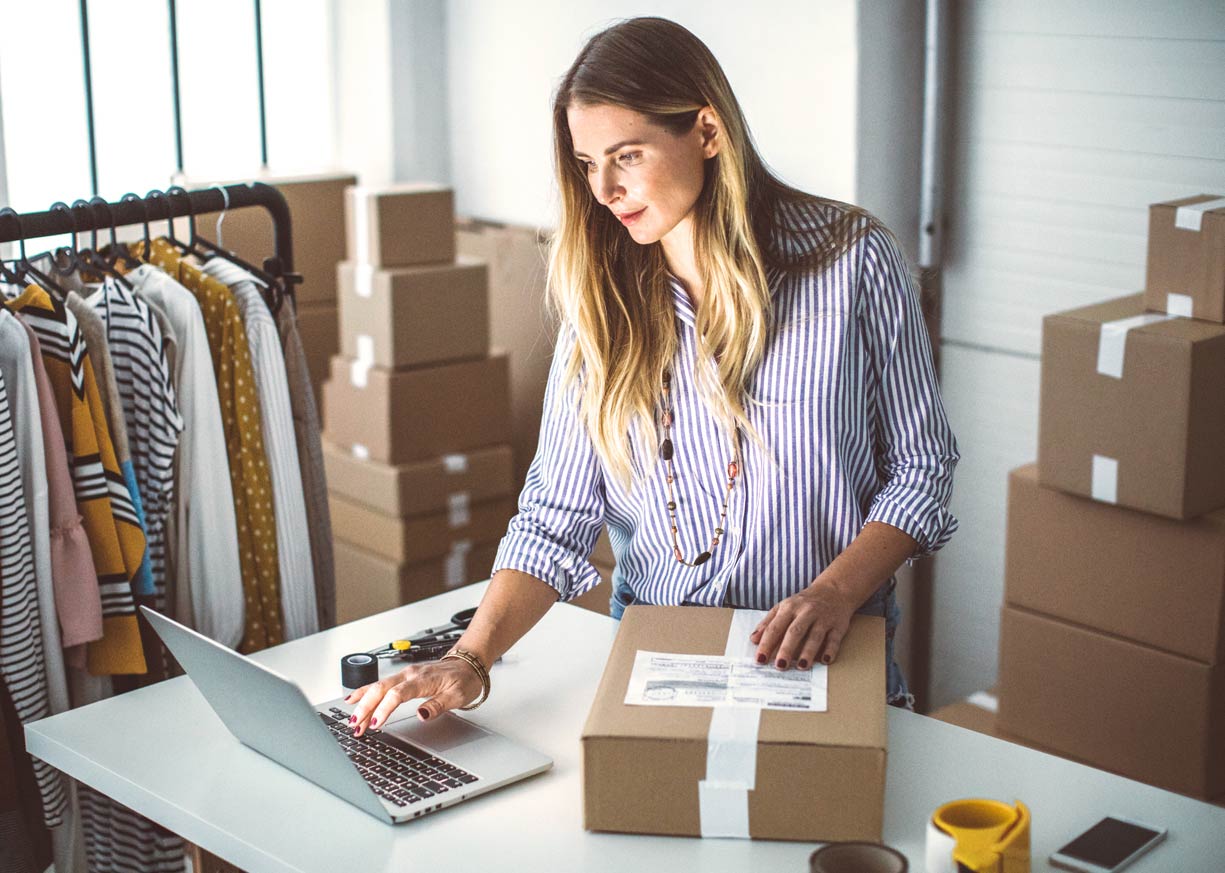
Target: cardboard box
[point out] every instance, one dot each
(367, 584)
(317, 209)
(319, 328)
(518, 320)
(1133, 416)
(444, 484)
(400, 225)
(1112, 703)
(1138, 576)
(402, 416)
(401, 317)
(1186, 257)
(819, 775)
(419, 537)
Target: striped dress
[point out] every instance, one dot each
(115, 536)
(22, 661)
(853, 430)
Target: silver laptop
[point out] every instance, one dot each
(402, 771)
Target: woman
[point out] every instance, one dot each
(742, 387)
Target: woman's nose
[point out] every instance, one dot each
(606, 188)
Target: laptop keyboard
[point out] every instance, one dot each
(397, 771)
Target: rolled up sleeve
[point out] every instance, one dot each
(917, 451)
(561, 507)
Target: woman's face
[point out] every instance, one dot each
(646, 176)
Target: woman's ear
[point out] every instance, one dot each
(710, 128)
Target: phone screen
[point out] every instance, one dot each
(1108, 843)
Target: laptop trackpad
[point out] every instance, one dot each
(440, 734)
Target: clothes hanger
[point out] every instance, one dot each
(271, 286)
(7, 275)
(113, 252)
(26, 270)
(144, 208)
(91, 257)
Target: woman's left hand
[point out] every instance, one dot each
(805, 626)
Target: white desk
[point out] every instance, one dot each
(163, 752)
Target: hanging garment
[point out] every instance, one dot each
(22, 663)
(298, 606)
(97, 349)
(143, 377)
(208, 581)
(249, 477)
(18, 368)
(78, 604)
(25, 845)
(110, 521)
(310, 456)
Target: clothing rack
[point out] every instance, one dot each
(160, 206)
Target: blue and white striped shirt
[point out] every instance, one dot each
(850, 413)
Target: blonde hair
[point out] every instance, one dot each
(614, 294)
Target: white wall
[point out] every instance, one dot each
(1070, 118)
(791, 64)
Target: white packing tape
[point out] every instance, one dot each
(359, 373)
(1105, 479)
(361, 452)
(1112, 341)
(455, 565)
(363, 280)
(1179, 304)
(939, 850)
(361, 226)
(365, 348)
(731, 749)
(984, 700)
(1192, 217)
(456, 463)
(459, 509)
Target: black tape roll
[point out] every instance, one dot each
(358, 669)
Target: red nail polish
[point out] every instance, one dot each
(761, 659)
(782, 664)
(825, 659)
(424, 713)
(352, 719)
(374, 722)
(803, 664)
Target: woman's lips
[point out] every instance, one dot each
(631, 217)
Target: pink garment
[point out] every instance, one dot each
(74, 577)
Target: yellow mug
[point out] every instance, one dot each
(982, 836)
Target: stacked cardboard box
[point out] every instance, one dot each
(417, 409)
(1112, 640)
(317, 206)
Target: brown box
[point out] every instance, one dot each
(517, 320)
(448, 483)
(1135, 416)
(401, 416)
(820, 775)
(319, 329)
(316, 207)
(418, 537)
(404, 316)
(1149, 579)
(1186, 257)
(1146, 714)
(367, 584)
(400, 225)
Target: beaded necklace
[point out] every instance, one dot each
(666, 451)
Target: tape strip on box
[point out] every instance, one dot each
(361, 452)
(1192, 217)
(731, 749)
(455, 571)
(984, 700)
(459, 509)
(1112, 341)
(1105, 479)
(361, 225)
(456, 463)
(363, 279)
(1179, 304)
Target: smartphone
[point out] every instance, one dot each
(1110, 845)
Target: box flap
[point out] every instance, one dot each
(856, 715)
(1180, 329)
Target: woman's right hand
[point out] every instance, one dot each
(445, 685)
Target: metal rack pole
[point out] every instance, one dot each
(33, 225)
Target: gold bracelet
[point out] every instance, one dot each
(475, 663)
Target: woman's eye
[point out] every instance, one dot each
(587, 166)
(630, 157)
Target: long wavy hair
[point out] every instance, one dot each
(614, 293)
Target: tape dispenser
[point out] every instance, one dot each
(978, 836)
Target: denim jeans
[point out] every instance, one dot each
(883, 603)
